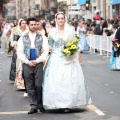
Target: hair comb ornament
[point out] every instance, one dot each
(59, 13)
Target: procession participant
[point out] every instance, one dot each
(64, 85)
(30, 46)
(16, 33)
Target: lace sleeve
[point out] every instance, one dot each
(51, 41)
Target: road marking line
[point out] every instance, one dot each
(99, 112)
(111, 92)
(94, 108)
(13, 112)
(90, 107)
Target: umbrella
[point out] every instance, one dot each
(97, 11)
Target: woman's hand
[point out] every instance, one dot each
(79, 57)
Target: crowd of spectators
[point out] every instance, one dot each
(96, 27)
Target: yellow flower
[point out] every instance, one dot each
(118, 45)
(68, 44)
(76, 36)
(73, 47)
(72, 42)
(66, 51)
(77, 39)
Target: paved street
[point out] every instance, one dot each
(68, 25)
(103, 83)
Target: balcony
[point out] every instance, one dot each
(63, 1)
(37, 12)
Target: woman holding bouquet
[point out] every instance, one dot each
(64, 85)
(115, 55)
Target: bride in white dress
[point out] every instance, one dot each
(64, 84)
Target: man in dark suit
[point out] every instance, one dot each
(98, 28)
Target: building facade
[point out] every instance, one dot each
(3, 8)
(74, 10)
(109, 8)
(14, 9)
(103, 6)
(69, 7)
(9, 9)
(115, 9)
(36, 8)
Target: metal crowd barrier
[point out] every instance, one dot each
(101, 43)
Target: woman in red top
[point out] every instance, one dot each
(97, 16)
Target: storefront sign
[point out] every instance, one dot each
(81, 2)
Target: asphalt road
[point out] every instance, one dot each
(103, 83)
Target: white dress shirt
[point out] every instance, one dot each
(20, 49)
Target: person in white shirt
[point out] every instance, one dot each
(32, 51)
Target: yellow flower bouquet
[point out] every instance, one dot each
(115, 44)
(71, 48)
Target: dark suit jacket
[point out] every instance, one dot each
(118, 35)
(97, 30)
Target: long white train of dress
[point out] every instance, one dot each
(64, 84)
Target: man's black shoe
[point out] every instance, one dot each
(32, 111)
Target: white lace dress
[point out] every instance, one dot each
(64, 84)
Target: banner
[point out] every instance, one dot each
(81, 2)
(113, 2)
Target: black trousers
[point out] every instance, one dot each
(33, 77)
